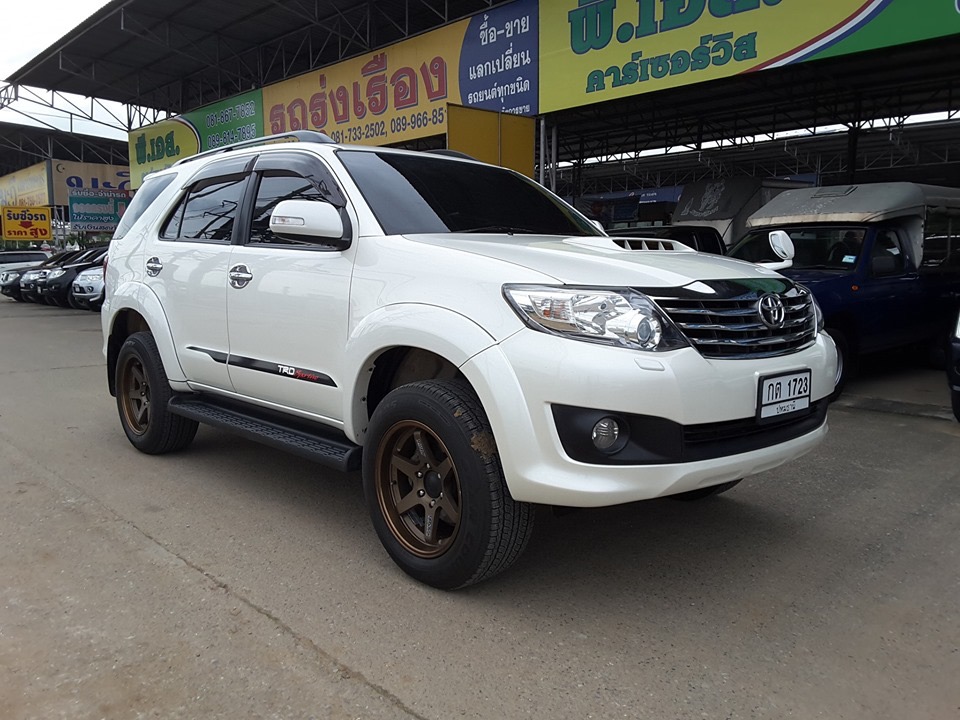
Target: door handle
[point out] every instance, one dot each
(240, 276)
(154, 266)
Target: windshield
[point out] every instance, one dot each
(420, 193)
(817, 248)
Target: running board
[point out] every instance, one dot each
(327, 447)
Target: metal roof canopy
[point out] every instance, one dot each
(22, 146)
(928, 152)
(182, 54)
(179, 55)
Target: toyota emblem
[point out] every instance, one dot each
(772, 312)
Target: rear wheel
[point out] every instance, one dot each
(435, 489)
(701, 493)
(143, 392)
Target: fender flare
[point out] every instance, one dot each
(439, 330)
(142, 300)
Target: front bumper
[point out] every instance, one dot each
(525, 379)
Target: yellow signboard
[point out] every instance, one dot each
(26, 187)
(70, 177)
(392, 95)
(597, 50)
(26, 224)
(159, 146)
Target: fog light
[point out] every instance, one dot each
(605, 433)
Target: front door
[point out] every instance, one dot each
(287, 305)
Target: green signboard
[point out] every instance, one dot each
(97, 210)
(597, 50)
(162, 144)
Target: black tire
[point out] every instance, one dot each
(435, 488)
(18, 298)
(705, 492)
(72, 302)
(849, 361)
(955, 401)
(143, 392)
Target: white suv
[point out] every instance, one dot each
(464, 337)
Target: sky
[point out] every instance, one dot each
(39, 24)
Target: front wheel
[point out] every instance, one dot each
(143, 392)
(848, 362)
(435, 488)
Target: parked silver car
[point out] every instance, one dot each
(87, 289)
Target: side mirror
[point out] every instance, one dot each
(309, 221)
(783, 248)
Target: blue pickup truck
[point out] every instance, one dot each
(882, 260)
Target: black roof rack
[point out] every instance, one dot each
(451, 153)
(292, 136)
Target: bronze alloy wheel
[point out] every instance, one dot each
(134, 390)
(418, 489)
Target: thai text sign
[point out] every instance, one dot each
(69, 176)
(160, 145)
(597, 50)
(30, 186)
(97, 210)
(400, 93)
(26, 223)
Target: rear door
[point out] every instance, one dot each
(186, 267)
(288, 305)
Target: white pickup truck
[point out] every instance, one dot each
(465, 338)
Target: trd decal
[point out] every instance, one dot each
(289, 371)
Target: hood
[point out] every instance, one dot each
(598, 260)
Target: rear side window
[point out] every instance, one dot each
(144, 197)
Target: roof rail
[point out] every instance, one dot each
(451, 153)
(292, 136)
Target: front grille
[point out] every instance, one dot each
(731, 327)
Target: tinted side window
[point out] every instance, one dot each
(273, 189)
(207, 212)
(144, 197)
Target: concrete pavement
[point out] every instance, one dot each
(234, 581)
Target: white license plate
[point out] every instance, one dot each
(783, 395)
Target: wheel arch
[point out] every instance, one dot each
(144, 316)
(402, 344)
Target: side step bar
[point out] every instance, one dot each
(327, 447)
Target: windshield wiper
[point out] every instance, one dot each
(508, 229)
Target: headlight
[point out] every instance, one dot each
(612, 316)
(55, 273)
(6, 277)
(32, 275)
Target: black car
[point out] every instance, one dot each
(54, 286)
(701, 238)
(14, 285)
